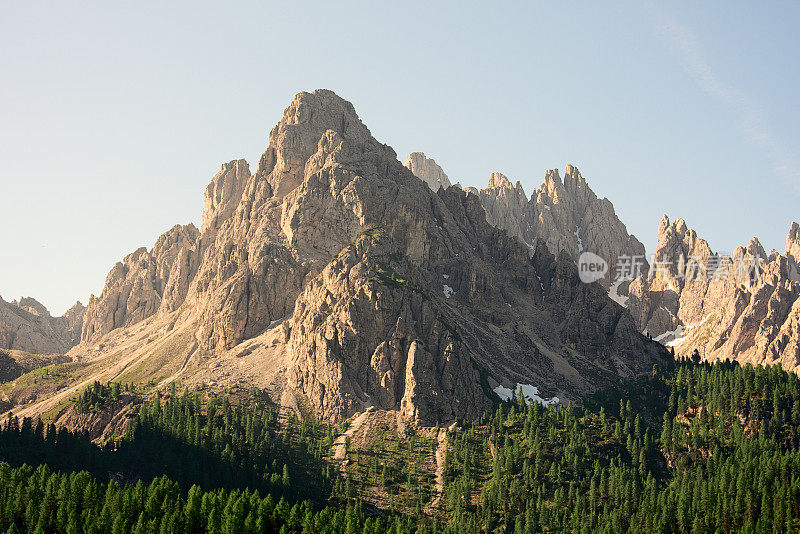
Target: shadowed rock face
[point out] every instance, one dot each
(390, 294)
(28, 326)
(741, 306)
(566, 215)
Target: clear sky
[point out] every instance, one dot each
(115, 115)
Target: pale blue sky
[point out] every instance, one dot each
(114, 116)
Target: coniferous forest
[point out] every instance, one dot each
(700, 448)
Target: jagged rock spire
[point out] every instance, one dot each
(427, 170)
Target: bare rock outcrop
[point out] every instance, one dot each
(292, 218)
(740, 306)
(425, 298)
(427, 170)
(388, 293)
(72, 322)
(224, 193)
(566, 215)
(26, 325)
(654, 301)
(793, 252)
(134, 287)
(506, 205)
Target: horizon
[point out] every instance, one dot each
(123, 138)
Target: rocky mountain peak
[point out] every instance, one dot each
(303, 131)
(754, 248)
(663, 225)
(27, 325)
(427, 170)
(499, 181)
(224, 193)
(135, 287)
(573, 181)
(76, 310)
(565, 215)
(33, 306)
(793, 241)
(177, 237)
(371, 288)
(551, 179)
(681, 228)
(745, 306)
(504, 203)
(793, 252)
(676, 240)
(655, 300)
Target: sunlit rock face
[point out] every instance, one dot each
(741, 306)
(388, 290)
(26, 325)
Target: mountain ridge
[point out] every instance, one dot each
(27, 325)
(565, 213)
(743, 306)
(336, 279)
(673, 311)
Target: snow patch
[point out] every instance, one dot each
(531, 246)
(446, 276)
(448, 291)
(578, 237)
(277, 321)
(677, 335)
(529, 392)
(671, 287)
(616, 297)
(669, 312)
(682, 333)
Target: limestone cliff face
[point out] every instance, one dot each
(134, 288)
(295, 213)
(422, 294)
(72, 322)
(568, 216)
(565, 214)
(506, 205)
(224, 193)
(387, 293)
(740, 306)
(657, 312)
(416, 317)
(793, 252)
(427, 170)
(28, 326)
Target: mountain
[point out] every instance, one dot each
(742, 306)
(565, 214)
(427, 170)
(722, 315)
(338, 281)
(26, 325)
(139, 286)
